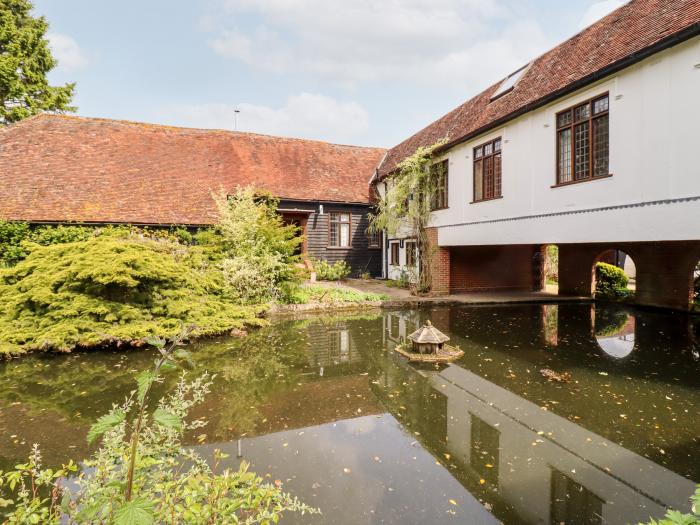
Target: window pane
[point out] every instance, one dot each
(497, 175)
(334, 235)
(564, 119)
(478, 152)
(600, 105)
(478, 180)
(601, 146)
(582, 112)
(581, 151)
(497, 145)
(488, 178)
(488, 149)
(565, 155)
(344, 234)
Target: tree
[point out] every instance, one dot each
(25, 59)
(407, 203)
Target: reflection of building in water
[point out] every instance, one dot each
(333, 345)
(605, 483)
(532, 465)
(398, 325)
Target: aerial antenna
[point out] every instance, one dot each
(236, 111)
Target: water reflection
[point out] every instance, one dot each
(326, 406)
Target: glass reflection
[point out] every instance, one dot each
(615, 334)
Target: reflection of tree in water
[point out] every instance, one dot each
(609, 322)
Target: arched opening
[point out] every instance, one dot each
(614, 276)
(550, 268)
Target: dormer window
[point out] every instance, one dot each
(509, 83)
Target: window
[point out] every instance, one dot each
(509, 83)
(339, 233)
(394, 256)
(410, 253)
(487, 171)
(439, 172)
(373, 239)
(583, 148)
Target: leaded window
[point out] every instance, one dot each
(487, 171)
(583, 141)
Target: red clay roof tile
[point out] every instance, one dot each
(63, 168)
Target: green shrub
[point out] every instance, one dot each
(611, 282)
(61, 234)
(12, 234)
(322, 294)
(259, 249)
(337, 271)
(112, 289)
(402, 282)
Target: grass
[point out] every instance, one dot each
(323, 294)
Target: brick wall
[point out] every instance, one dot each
(489, 268)
(664, 270)
(440, 265)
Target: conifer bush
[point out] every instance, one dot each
(112, 289)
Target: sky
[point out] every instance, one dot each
(363, 72)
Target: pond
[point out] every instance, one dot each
(324, 405)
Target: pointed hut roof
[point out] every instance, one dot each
(428, 334)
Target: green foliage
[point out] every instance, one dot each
(337, 271)
(321, 294)
(407, 204)
(611, 282)
(25, 60)
(674, 517)
(112, 289)
(258, 247)
(12, 235)
(141, 474)
(402, 282)
(551, 264)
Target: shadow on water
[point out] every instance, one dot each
(324, 405)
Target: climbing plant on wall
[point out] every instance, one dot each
(407, 204)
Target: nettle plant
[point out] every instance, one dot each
(141, 474)
(407, 203)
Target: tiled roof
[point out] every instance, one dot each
(60, 168)
(628, 34)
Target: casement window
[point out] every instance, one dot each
(583, 145)
(394, 255)
(487, 171)
(440, 184)
(373, 239)
(410, 253)
(339, 235)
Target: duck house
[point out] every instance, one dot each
(428, 346)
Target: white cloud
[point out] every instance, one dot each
(352, 42)
(598, 10)
(305, 115)
(67, 52)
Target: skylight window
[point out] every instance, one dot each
(509, 83)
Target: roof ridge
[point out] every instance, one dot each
(167, 127)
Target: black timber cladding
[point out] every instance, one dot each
(359, 255)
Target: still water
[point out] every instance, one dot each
(324, 405)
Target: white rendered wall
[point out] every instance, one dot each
(654, 156)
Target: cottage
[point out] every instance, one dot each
(56, 169)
